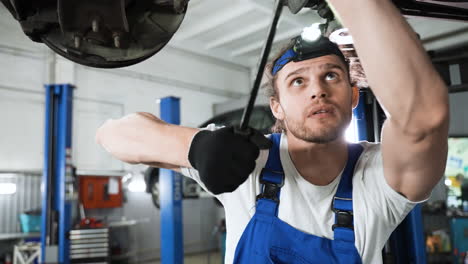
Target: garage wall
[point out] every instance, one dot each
(101, 94)
(458, 114)
(27, 197)
(200, 82)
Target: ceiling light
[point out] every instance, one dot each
(341, 37)
(7, 188)
(137, 183)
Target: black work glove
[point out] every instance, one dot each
(225, 157)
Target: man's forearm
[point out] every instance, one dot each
(144, 138)
(170, 145)
(396, 65)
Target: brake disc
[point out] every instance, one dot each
(101, 33)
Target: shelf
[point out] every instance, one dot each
(15, 236)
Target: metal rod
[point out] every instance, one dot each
(458, 88)
(261, 67)
(449, 58)
(375, 117)
(445, 35)
(423, 9)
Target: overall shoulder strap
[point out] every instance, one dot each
(272, 179)
(343, 200)
(273, 163)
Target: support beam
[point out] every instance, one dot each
(171, 82)
(267, 8)
(198, 49)
(259, 44)
(450, 34)
(240, 34)
(213, 21)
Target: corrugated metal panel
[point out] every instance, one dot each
(27, 197)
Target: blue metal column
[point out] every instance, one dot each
(415, 232)
(56, 204)
(170, 184)
(407, 241)
(360, 115)
(64, 170)
(46, 218)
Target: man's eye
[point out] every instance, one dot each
(297, 82)
(331, 76)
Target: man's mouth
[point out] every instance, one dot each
(321, 111)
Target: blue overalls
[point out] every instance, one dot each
(267, 239)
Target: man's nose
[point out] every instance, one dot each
(319, 95)
(319, 91)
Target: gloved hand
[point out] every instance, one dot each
(225, 157)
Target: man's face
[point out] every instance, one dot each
(315, 98)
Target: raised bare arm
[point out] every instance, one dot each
(144, 138)
(414, 141)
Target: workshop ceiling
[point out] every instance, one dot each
(235, 30)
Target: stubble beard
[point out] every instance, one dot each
(324, 134)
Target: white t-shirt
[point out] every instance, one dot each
(378, 209)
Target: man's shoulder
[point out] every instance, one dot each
(370, 148)
(367, 144)
(371, 158)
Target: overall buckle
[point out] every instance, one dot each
(270, 189)
(344, 218)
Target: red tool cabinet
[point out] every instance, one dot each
(100, 192)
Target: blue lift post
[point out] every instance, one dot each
(170, 185)
(407, 241)
(360, 115)
(56, 205)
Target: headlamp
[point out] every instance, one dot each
(306, 47)
(311, 33)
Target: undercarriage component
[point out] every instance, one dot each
(100, 33)
(118, 33)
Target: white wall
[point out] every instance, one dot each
(109, 93)
(101, 93)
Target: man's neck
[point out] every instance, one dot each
(319, 164)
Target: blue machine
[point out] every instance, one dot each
(170, 184)
(57, 175)
(407, 241)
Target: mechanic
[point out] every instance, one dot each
(311, 197)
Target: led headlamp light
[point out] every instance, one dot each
(305, 48)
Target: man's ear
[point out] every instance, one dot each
(355, 96)
(276, 108)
